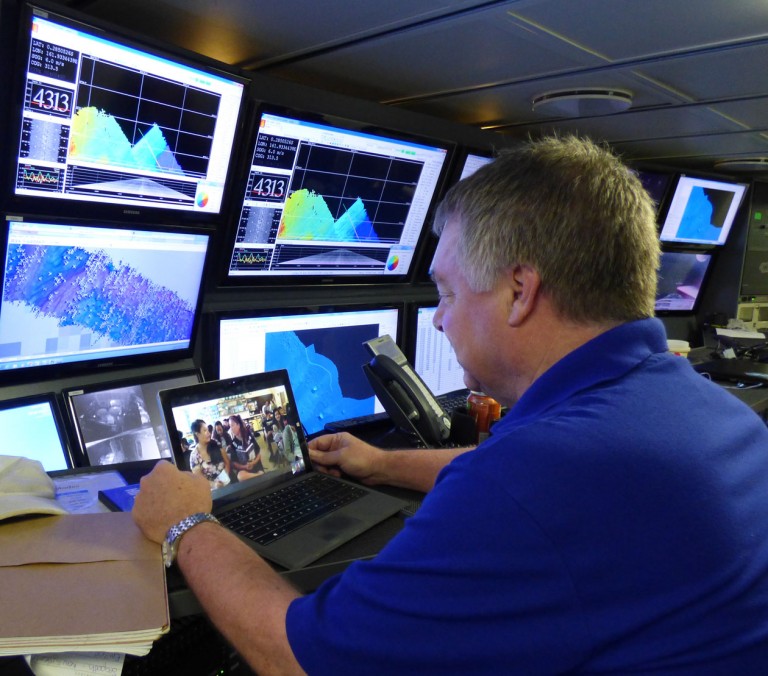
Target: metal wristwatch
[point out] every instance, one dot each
(173, 536)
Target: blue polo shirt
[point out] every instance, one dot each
(616, 521)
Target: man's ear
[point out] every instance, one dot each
(525, 283)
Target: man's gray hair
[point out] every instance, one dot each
(573, 211)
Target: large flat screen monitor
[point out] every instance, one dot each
(332, 202)
(702, 211)
(107, 121)
(656, 184)
(322, 351)
(33, 429)
(680, 280)
(121, 421)
(96, 295)
(472, 162)
(432, 355)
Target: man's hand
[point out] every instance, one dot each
(416, 469)
(167, 496)
(342, 453)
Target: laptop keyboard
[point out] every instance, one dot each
(272, 516)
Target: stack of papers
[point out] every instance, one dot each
(80, 582)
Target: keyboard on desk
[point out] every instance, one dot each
(350, 424)
(454, 401)
(270, 517)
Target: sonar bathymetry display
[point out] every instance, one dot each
(87, 289)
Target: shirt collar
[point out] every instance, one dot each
(606, 357)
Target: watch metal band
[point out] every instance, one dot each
(172, 537)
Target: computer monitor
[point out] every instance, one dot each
(32, 428)
(105, 120)
(332, 199)
(77, 295)
(680, 280)
(468, 161)
(322, 351)
(121, 421)
(702, 211)
(472, 162)
(431, 353)
(656, 184)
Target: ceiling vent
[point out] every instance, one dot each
(745, 164)
(584, 102)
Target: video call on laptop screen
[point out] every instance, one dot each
(122, 422)
(323, 353)
(269, 419)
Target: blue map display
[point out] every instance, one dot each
(705, 214)
(325, 368)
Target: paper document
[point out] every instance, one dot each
(80, 582)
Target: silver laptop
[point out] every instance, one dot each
(272, 498)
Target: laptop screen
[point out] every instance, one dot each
(34, 430)
(253, 420)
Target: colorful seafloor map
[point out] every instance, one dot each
(307, 217)
(86, 288)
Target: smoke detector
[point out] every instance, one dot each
(583, 102)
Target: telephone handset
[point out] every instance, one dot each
(404, 395)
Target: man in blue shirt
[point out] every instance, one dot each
(616, 521)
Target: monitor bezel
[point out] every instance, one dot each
(62, 429)
(712, 253)
(135, 213)
(103, 363)
(68, 394)
(317, 116)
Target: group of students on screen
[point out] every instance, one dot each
(231, 450)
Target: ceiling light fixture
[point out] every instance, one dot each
(583, 102)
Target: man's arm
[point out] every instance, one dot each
(244, 597)
(416, 469)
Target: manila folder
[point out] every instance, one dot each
(78, 580)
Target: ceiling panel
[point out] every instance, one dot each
(720, 74)
(512, 104)
(477, 50)
(629, 29)
(236, 31)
